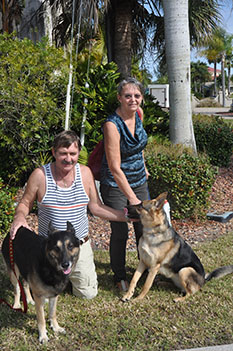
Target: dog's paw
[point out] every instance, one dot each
(126, 298)
(60, 330)
(16, 305)
(179, 299)
(138, 298)
(43, 339)
(31, 302)
(56, 328)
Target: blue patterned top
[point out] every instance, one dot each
(132, 162)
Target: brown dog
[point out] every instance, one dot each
(163, 251)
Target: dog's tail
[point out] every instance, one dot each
(219, 272)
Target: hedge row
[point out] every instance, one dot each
(187, 179)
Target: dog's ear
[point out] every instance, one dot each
(51, 228)
(159, 201)
(70, 227)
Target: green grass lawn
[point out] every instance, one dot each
(156, 323)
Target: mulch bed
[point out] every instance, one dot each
(221, 201)
(227, 114)
(193, 232)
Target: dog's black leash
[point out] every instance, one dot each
(25, 306)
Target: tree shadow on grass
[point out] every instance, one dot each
(106, 283)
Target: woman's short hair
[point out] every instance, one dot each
(130, 80)
(65, 139)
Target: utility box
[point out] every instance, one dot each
(160, 93)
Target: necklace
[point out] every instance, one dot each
(66, 184)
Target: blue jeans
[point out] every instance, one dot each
(113, 197)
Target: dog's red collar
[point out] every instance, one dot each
(25, 306)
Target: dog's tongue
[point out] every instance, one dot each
(67, 271)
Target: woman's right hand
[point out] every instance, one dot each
(132, 212)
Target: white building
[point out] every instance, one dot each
(160, 93)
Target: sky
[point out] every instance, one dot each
(227, 13)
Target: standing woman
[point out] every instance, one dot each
(124, 174)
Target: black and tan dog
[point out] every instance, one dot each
(45, 265)
(163, 251)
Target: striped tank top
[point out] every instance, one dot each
(60, 205)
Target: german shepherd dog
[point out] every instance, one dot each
(163, 251)
(44, 264)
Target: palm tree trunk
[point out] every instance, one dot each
(215, 78)
(5, 16)
(223, 80)
(120, 12)
(229, 78)
(178, 62)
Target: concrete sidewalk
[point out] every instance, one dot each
(212, 348)
(211, 110)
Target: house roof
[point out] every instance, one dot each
(211, 70)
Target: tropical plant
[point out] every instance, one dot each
(78, 19)
(216, 49)
(199, 76)
(94, 95)
(213, 47)
(32, 103)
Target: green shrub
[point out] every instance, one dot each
(33, 87)
(156, 120)
(32, 107)
(188, 179)
(214, 137)
(7, 208)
